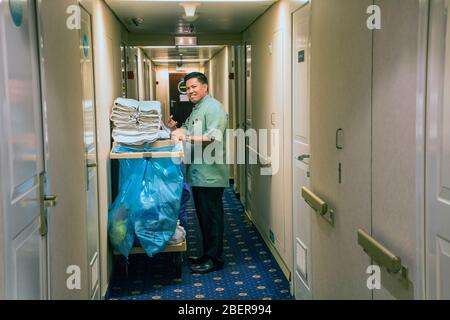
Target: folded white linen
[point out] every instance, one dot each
(119, 119)
(136, 140)
(122, 109)
(131, 103)
(134, 133)
(163, 135)
(150, 106)
(125, 126)
(136, 122)
(148, 117)
(148, 123)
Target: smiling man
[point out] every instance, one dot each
(206, 125)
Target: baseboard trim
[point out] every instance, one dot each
(273, 250)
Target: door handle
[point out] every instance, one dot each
(49, 201)
(380, 254)
(92, 165)
(314, 201)
(46, 201)
(318, 205)
(303, 157)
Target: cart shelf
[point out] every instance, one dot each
(145, 154)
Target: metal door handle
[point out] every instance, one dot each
(380, 254)
(92, 165)
(303, 157)
(314, 201)
(318, 205)
(49, 200)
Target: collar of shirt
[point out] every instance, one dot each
(199, 104)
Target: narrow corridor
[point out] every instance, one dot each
(250, 272)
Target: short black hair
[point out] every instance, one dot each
(197, 75)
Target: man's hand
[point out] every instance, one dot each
(178, 134)
(172, 124)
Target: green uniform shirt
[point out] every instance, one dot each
(208, 168)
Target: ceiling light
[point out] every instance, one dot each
(185, 41)
(189, 8)
(175, 47)
(178, 60)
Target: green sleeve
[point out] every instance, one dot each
(216, 124)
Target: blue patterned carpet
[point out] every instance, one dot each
(250, 272)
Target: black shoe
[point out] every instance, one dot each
(197, 260)
(207, 266)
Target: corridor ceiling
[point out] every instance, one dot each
(166, 17)
(161, 21)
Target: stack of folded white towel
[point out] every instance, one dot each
(137, 122)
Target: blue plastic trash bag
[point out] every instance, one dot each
(147, 207)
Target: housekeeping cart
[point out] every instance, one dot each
(145, 213)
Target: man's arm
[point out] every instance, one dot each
(178, 134)
(204, 140)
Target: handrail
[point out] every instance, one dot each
(314, 201)
(318, 205)
(379, 253)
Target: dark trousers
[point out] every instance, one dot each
(209, 208)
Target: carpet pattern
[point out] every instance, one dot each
(250, 272)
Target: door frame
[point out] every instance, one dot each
(247, 125)
(420, 277)
(293, 155)
(98, 291)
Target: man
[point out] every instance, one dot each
(205, 126)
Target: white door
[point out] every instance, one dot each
(90, 144)
(340, 128)
(438, 154)
(301, 152)
(21, 155)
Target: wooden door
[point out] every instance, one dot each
(180, 106)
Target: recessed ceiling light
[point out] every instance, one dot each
(178, 60)
(189, 8)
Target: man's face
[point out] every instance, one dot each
(196, 90)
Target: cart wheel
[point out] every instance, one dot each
(177, 262)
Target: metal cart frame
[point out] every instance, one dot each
(175, 250)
